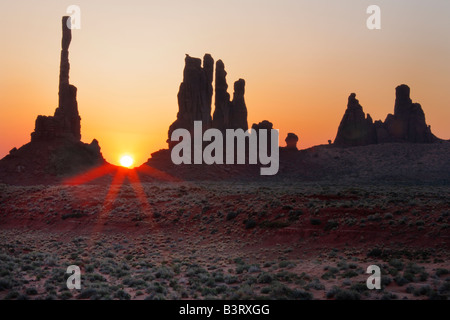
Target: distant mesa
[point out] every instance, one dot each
(56, 146)
(407, 124)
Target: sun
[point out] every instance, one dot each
(126, 161)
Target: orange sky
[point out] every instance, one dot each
(300, 60)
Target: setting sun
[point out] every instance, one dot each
(126, 161)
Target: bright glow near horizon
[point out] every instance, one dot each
(126, 161)
(300, 59)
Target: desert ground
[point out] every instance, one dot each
(224, 240)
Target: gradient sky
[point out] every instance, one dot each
(300, 60)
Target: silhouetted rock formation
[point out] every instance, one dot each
(55, 146)
(66, 121)
(221, 117)
(263, 125)
(407, 124)
(195, 97)
(291, 141)
(229, 114)
(238, 107)
(266, 125)
(355, 128)
(195, 94)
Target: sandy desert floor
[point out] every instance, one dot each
(224, 240)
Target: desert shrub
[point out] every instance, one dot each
(444, 289)
(109, 254)
(385, 281)
(241, 268)
(286, 264)
(315, 221)
(342, 265)
(349, 274)
(205, 292)
(250, 224)
(342, 294)
(156, 215)
(90, 268)
(5, 283)
(422, 291)
(231, 215)
(12, 295)
(401, 281)
(301, 295)
(331, 273)
(350, 221)
(156, 287)
(423, 276)
(413, 269)
(23, 297)
(409, 289)
(122, 295)
(74, 214)
(397, 264)
(389, 296)
(254, 269)
(32, 291)
(280, 291)
(294, 215)
(27, 267)
(230, 279)
(315, 284)
(95, 277)
(374, 217)
(134, 283)
(286, 276)
(265, 290)
(331, 224)
(87, 293)
(388, 216)
(265, 278)
(347, 295)
(332, 292)
(442, 272)
(164, 273)
(359, 287)
(375, 252)
(218, 277)
(274, 224)
(65, 295)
